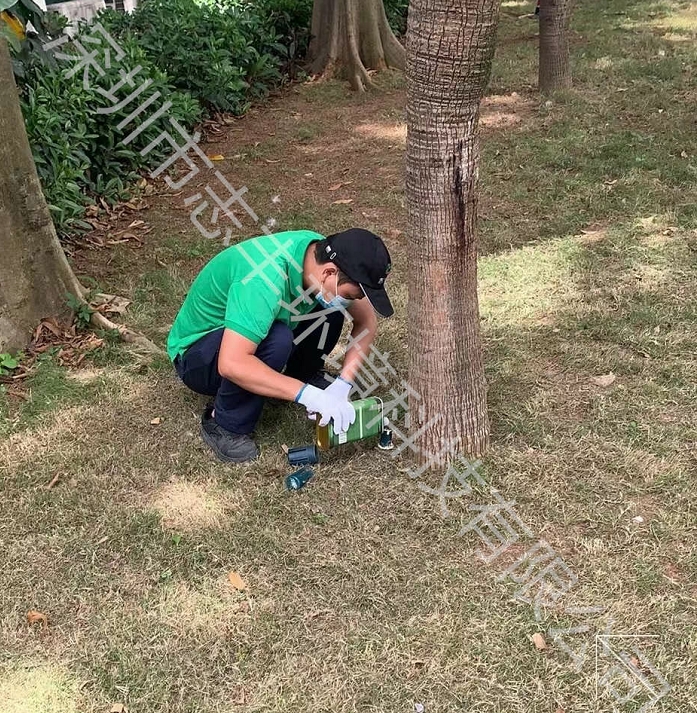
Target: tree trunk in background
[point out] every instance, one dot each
(449, 56)
(555, 66)
(349, 37)
(34, 272)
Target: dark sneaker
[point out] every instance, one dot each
(227, 446)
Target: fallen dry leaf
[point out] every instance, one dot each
(343, 201)
(136, 204)
(94, 240)
(236, 581)
(112, 304)
(539, 641)
(217, 157)
(36, 617)
(605, 380)
(118, 708)
(52, 327)
(284, 448)
(156, 421)
(129, 236)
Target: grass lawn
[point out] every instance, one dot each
(362, 595)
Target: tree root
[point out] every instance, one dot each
(351, 39)
(395, 53)
(359, 79)
(138, 340)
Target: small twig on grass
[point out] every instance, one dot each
(54, 480)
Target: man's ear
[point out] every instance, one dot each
(329, 269)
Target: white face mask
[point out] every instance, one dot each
(337, 302)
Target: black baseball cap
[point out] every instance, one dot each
(363, 258)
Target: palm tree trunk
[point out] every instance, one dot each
(449, 55)
(555, 65)
(350, 37)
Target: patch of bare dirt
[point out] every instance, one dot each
(314, 156)
(501, 111)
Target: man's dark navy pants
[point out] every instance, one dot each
(300, 350)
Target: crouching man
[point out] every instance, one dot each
(259, 319)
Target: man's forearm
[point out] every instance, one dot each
(362, 339)
(253, 375)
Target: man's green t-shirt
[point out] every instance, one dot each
(246, 288)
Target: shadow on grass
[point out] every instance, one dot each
(623, 304)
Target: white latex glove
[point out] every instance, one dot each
(329, 405)
(339, 388)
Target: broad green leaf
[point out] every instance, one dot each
(11, 38)
(38, 6)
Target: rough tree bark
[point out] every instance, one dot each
(449, 56)
(350, 37)
(555, 65)
(35, 275)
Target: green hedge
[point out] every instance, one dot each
(225, 53)
(396, 11)
(79, 152)
(202, 55)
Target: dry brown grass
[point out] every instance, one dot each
(187, 507)
(36, 687)
(360, 595)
